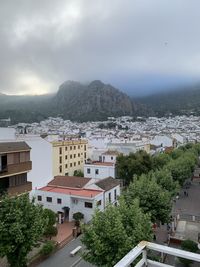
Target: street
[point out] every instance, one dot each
(62, 257)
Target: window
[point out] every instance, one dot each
(49, 199)
(74, 164)
(66, 148)
(60, 169)
(88, 205)
(111, 158)
(39, 198)
(99, 203)
(74, 156)
(85, 155)
(59, 201)
(79, 147)
(74, 147)
(78, 154)
(109, 197)
(70, 164)
(88, 170)
(60, 160)
(115, 193)
(70, 156)
(66, 157)
(70, 147)
(60, 150)
(75, 201)
(97, 171)
(85, 147)
(66, 174)
(79, 163)
(66, 166)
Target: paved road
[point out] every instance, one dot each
(62, 258)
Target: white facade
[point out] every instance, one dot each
(95, 194)
(162, 140)
(7, 134)
(129, 147)
(74, 203)
(41, 157)
(100, 170)
(108, 158)
(112, 195)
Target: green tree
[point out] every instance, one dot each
(164, 178)
(191, 246)
(152, 197)
(21, 225)
(78, 216)
(183, 167)
(50, 229)
(133, 164)
(160, 160)
(47, 248)
(78, 173)
(138, 225)
(114, 232)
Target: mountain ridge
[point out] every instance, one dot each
(73, 100)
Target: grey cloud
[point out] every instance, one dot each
(43, 43)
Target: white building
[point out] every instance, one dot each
(99, 170)
(7, 134)
(162, 140)
(41, 157)
(103, 168)
(66, 195)
(109, 156)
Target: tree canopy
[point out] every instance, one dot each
(21, 225)
(114, 232)
(152, 197)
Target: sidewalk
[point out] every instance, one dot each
(65, 233)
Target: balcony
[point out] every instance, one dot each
(142, 248)
(20, 189)
(16, 168)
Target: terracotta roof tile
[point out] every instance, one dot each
(89, 193)
(108, 183)
(69, 181)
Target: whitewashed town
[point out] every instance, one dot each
(70, 168)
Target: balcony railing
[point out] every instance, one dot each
(16, 168)
(20, 189)
(142, 248)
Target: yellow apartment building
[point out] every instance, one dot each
(69, 156)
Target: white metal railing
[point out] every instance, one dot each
(142, 247)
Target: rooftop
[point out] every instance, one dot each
(111, 152)
(90, 193)
(108, 183)
(99, 163)
(69, 181)
(9, 147)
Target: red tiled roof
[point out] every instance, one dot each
(69, 181)
(70, 191)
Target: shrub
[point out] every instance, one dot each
(77, 217)
(47, 248)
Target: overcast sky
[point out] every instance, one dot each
(137, 45)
